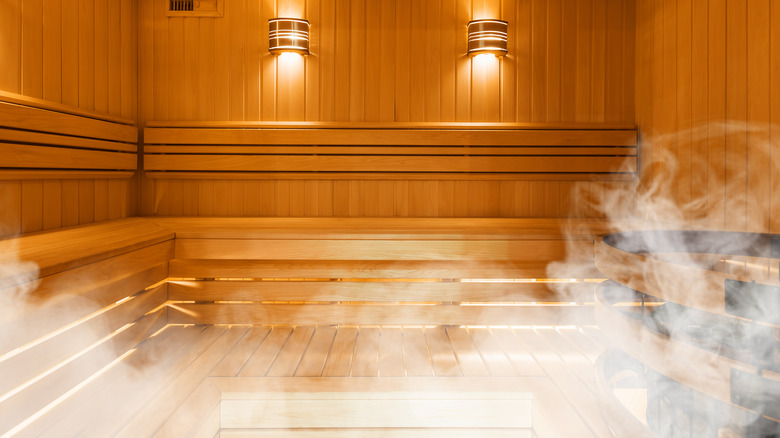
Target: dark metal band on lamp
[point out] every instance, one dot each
(288, 35)
(487, 36)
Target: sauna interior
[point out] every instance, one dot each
(526, 218)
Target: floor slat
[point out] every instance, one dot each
(265, 354)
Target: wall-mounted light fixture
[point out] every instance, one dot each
(487, 36)
(288, 35)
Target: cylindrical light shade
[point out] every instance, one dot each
(288, 35)
(487, 36)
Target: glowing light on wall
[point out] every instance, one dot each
(288, 35)
(487, 36)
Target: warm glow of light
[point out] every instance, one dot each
(159, 283)
(183, 310)
(37, 378)
(290, 59)
(485, 63)
(19, 427)
(78, 322)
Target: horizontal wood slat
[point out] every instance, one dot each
(34, 137)
(49, 105)
(399, 164)
(317, 151)
(370, 291)
(392, 137)
(31, 156)
(400, 269)
(382, 314)
(19, 136)
(238, 249)
(35, 119)
(390, 150)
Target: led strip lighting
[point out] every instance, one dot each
(487, 36)
(288, 35)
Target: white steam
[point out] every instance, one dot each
(652, 202)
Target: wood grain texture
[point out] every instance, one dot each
(362, 68)
(705, 114)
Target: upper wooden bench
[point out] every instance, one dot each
(324, 150)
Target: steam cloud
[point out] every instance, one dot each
(650, 203)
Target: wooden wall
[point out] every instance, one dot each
(706, 102)
(569, 62)
(81, 54)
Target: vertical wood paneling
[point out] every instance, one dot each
(10, 215)
(115, 58)
(699, 103)
(32, 206)
(207, 71)
(177, 70)
(327, 54)
(86, 54)
(418, 62)
(312, 87)
(252, 55)
(101, 200)
(736, 113)
(191, 80)
(71, 53)
(390, 61)
(101, 56)
(614, 72)
(716, 132)
(462, 66)
(684, 123)
(709, 116)
(32, 48)
(569, 62)
(554, 60)
(523, 56)
(236, 10)
(758, 141)
(584, 27)
(433, 54)
(774, 110)
(343, 69)
(52, 204)
(128, 41)
(357, 59)
(598, 58)
(538, 64)
(387, 61)
(10, 49)
(449, 59)
(52, 51)
(222, 84)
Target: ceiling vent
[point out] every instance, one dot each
(181, 5)
(195, 8)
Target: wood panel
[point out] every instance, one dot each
(705, 114)
(76, 59)
(70, 52)
(314, 314)
(363, 68)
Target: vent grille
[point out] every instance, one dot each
(181, 5)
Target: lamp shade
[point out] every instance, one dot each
(487, 36)
(288, 35)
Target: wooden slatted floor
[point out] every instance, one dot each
(554, 364)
